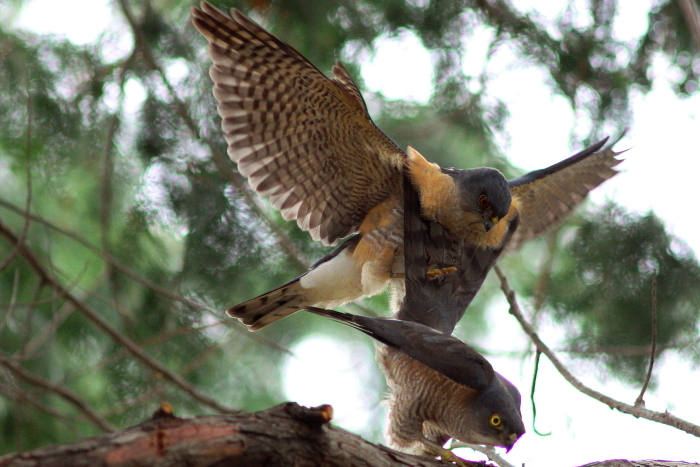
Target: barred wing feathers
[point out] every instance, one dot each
(302, 139)
(548, 195)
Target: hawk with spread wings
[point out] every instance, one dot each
(307, 142)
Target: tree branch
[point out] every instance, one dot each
(664, 418)
(287, 434)
(231, 323)
(110, 330)
(63, 392)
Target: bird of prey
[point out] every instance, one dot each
(441, 388)
(443, 273)
(307, 142)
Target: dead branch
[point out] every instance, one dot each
(659, 417)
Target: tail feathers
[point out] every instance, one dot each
(361, 323)
(269, 307)
(339, 316)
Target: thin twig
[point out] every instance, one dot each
(49, 329)
(157, 339)
(13, 301)
(23, 396)
(233, 324)
(65, 393)
(664, 418)
(107, 181)
(640, 399)
(196, 362)
(27, 161)
(111, 331)
(532, 395)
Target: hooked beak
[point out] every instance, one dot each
(512, 438)
(489, 223)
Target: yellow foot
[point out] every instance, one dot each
(397, 275)
(449, 456)
(435, 273)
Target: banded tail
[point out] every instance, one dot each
(269, 307)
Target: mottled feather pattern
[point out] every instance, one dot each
(412, 405)
(302, 139)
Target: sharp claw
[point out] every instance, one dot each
(449, 456)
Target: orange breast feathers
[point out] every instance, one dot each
(439, 198)
(494, 237)
(437, 190)
(382, 234)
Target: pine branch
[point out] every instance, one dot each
(95, 318)
(63, 392)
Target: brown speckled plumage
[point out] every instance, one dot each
(307, 142)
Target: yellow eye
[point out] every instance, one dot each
(495, 420)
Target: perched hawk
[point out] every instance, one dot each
(441, 388)
(307, 142)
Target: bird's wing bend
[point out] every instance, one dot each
(302, 139)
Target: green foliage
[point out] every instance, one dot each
(602, 283)
(133, 215)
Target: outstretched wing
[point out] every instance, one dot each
(444, 354)
(548, 195)
(302, 139)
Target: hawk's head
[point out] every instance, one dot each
(484, 196)
(495, 415)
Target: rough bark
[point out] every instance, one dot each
(287, 434)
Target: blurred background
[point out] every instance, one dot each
(135, 231)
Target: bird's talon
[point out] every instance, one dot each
(448, 456)
(397, 275)
(437, 272)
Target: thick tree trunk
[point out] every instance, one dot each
(287, 434)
